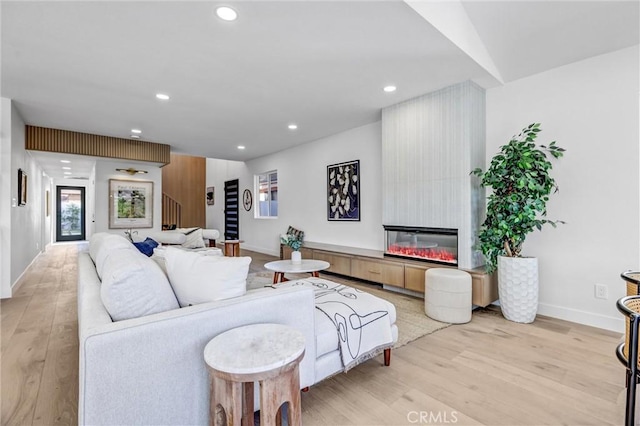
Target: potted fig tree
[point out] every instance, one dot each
(521, 184)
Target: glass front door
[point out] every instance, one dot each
(70, 213)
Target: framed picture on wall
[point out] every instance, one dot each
(210, 195)
(343, 191)
(22, 187)
(130, 204)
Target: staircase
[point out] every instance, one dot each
(171, 211)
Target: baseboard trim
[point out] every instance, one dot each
(17, 283)
(615, 324)
(256, 249)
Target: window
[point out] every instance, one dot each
(267, 190)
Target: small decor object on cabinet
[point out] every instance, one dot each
(22, 187)
(343, 191)
(247, 199)
(210, 196)
(296, 257)
(130, 204)
(295, 242)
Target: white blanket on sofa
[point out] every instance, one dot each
(361, 319)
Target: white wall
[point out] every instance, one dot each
(591, 109)
(27, 220)
(5, 197)
(219, 171)
(48, 222)
(105, 170)
(302, 186)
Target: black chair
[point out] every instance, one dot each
(627, 352)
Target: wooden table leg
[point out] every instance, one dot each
(247, 404)
(278, 277)
(232, 249)
(315, 274)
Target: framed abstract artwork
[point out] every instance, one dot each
(130, 204)
(210, 195)
(343, 191)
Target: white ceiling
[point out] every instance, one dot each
(95, 67)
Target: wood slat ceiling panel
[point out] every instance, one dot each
(68, 142)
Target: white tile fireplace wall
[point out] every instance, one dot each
(429, 146)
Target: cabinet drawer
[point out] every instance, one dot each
(339, 264)
(414, 278)
(484, 289)
(378, 271)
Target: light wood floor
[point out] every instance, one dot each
(490, 371)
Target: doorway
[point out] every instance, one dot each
(231, 200)
(70, 217)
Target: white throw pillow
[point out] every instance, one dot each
(133, 286)
(199, 279)
(194, 237)
(108, 245)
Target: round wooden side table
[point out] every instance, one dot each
(267, 353)
(232, 247)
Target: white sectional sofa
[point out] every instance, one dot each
(150, 369)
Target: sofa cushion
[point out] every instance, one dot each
(194, 237)
(107, 245)
(95, 243)
(197, 278)
(133, 285)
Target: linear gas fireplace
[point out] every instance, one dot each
(437, 245)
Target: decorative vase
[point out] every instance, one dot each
(296, 256)
(518, 288)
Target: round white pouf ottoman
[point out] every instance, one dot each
(447, 295)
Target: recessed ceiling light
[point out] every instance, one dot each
(240, 146)
(65, 161)
(67, 173)
(162, 96)
(135, 136)
(390, 89)
(66, 168)
(292, 126)
(226, 13)
(136, 131)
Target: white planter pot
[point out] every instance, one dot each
(296, 257)
(518, 288)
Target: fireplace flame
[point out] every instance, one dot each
(439, 253)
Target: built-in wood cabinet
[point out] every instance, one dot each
(390, 273)
(414, 277)
(372, 266)
(484, 286)
(340, 264)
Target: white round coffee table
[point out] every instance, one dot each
(281, 267)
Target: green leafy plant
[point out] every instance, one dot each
(291, 241)
(521, 184)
